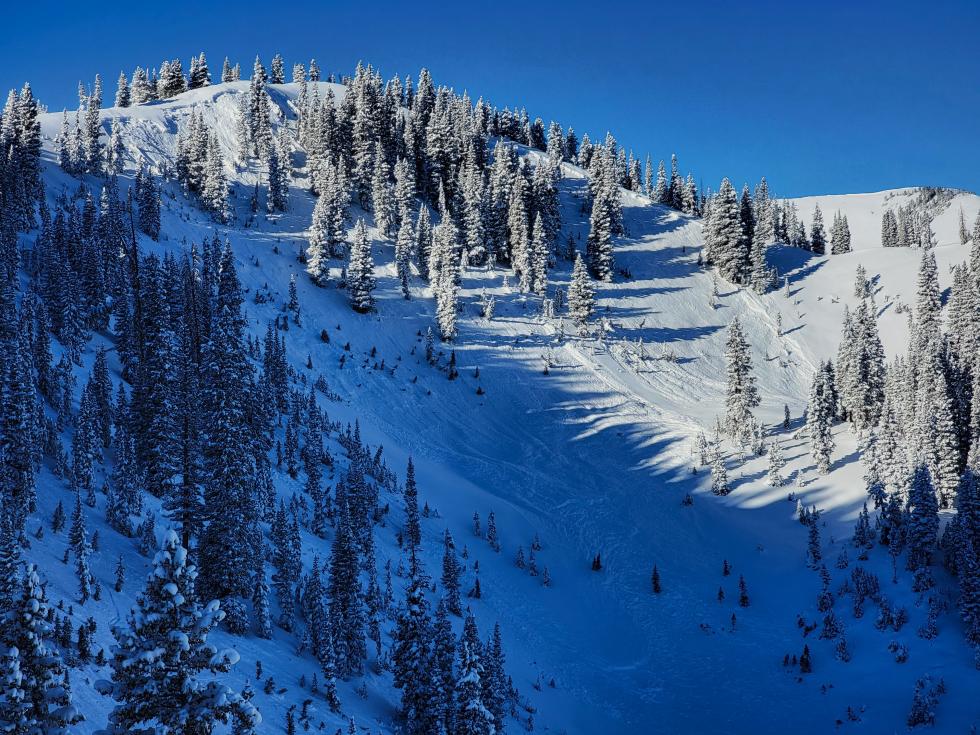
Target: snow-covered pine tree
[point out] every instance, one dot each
(382, 196)
(538, 258)
(889, 230)
(413, 530)
(92, 130)
(404, 246)
(820, 413)
(230, 543)
(423, 241)
(581, 295)
(360, 270)
(923, 525)
(161, 653)
(318, 249)
(46, 706)
(122, 91)
(840, 235)
(660, 189)
(278, 176)
(719, 473)
(411, 655)
(277, 72)
(472, 715)
(605, 220)
(443, 274)
(450, 575)
(346, 611)
(724, 244)
(776, 464)
(818, 240)
(214, 191)
(741, 393)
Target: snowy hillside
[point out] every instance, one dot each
(583, 440)
(864, 212)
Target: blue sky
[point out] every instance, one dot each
(819, 97)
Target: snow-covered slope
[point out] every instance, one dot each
(864, 211)
(592, 456)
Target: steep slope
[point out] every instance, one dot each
(593, 457)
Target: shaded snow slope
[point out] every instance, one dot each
(593, 457)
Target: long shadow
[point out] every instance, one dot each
(667, 334)
(794, 263)
(625, 291)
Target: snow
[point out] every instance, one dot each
(864, 211)
(593, 457)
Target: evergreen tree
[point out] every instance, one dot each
(346, 613)
(725, 246)
(360, 270)
(776, 464)
(444, 665)
(404, 245)
(605, 220)
(161, 653)
(923, 519)
(382, 196)
(277, 73)
(450, 575)
(581, 296)
(741, 395)
(818, 240)
(719, 474)
(472, 715)
(411, 655)
(423, 241)
(122, 91)
(840, 235)
(318, 252)
(660, 190)
(820, 413)
(92, 130)
(46, 705)
(214, 190)
(889, 230)
(413, 531)
(278, 177)
(443, 275)
(229, 544)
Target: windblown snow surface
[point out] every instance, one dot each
(595, 457)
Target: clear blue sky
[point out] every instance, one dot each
(819, 97)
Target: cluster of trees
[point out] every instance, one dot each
(402, 168)
(35, 694)
(202, 419)
(80, 149)
(910, 225)
(840, 235)
(673, 191)
(497, 208)
(447, 684)
(917, 418)
(199, 166)
(739, 228)
(737, 232)
(147, 85)
(20, 169)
